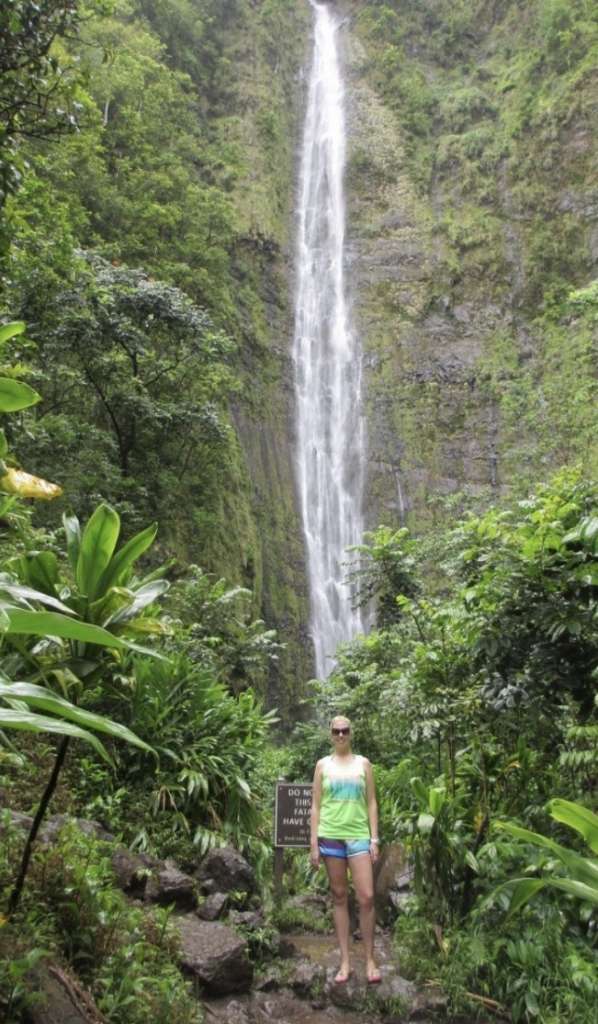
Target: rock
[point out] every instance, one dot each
(309, 901)
(15, 820)
(226, 869)
(430, 1001)
(286, 948)
(228, 1011)
(132, 870)
(270, 981)
(212, 907)
(389, 874)
(345, 995)
(315, 908)
(169, 885)
(61, 999)
(215, 955)
(399, 900)
(246, 918)
(50, 831)
(306, 977)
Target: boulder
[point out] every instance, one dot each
(307, 978)
(246, 918)
(51, 829)
(225, 870)
(390, 874)
(212, 907)
(214, 955)
(347, 995)
(132, 870)
(15, 819)
(169, 885)
(61, 999)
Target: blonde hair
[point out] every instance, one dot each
(339, 718)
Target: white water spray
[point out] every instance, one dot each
(330, 424)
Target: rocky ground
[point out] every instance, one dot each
(237, 978)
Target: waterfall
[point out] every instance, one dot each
(330, 424)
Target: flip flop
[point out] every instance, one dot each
(342, 977)
(374, 978)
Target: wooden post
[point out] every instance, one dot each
(278, 873)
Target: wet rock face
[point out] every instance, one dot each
(448, 277)
(215, 956)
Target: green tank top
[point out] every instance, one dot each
(343, 808)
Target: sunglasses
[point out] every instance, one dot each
(340, 732)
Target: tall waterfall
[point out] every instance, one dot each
(330, 424)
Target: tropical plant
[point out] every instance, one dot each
(15, 395)
(580, 875)
(105, 608)
(32, 83)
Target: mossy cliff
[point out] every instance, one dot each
(267, 47)
(473, 242)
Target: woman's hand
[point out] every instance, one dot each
(314, 856)
(374, 850)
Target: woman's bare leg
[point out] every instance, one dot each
(337, 875)
(363, 880)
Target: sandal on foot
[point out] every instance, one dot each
(374, 977)
(342, 977)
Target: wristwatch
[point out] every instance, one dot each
(374, 839)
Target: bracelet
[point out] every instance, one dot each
(373, 840)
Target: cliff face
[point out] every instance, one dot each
(472, 217)
(267, 47)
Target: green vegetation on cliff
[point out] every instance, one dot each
(179, 161)
(475, 208)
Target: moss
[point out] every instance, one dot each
(471, 151)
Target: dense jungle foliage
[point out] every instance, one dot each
(134, 659)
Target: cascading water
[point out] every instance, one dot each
(330, 425)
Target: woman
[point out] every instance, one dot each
(344, 830)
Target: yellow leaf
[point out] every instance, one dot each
(16, 481)
(3, 920)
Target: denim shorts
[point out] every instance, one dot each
(343, 848)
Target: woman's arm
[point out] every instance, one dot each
(316, 799)
(370, 795)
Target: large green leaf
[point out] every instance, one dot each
(420, 790)
(28, 721)
(142, 598)
(589, 893)
(118, 568)
(583, 869)
(98, 542)
(20, 620)
(38, 569)
(39, 697)
(19, 592)
(522, 890)
(578, 817)
(11, 330)
(436, 798)
(72, 529)
(15, 395)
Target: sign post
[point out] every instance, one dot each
(292, 809)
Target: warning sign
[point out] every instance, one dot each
(291, 814)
